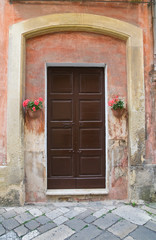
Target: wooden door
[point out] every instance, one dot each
(75, 128)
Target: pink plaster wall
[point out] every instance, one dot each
(137, 14)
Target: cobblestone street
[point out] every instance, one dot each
(110, 220)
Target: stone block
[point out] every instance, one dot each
(64, 209)
(60, 232)
(10, 224)
(21, 230)
(101, 212)
(22, 218)
(32, 225)
(46, 227)
(85, 214)
(54, 214)
(75, 212)
(9, 236)
(122, 228)
(106, 221)
(76, 224)
(43, 220)
(151, 225)
(134, 215)
(30, 235)
(9, 214)
(2, 230)
(87, 233)
(129, 238)
(35, 212)
(90, 219)
(107, 236)
(60, 220)
(143, 233)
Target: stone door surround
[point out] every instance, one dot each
(16, 83)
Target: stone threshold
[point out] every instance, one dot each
(67, 192)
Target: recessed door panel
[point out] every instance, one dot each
(61, 110)
(61, 138)
(90, 110)
(90, 138)
(75, 128)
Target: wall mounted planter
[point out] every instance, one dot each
(35, 114)
(118, 113)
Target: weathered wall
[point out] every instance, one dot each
(139, 15)
(84, 48)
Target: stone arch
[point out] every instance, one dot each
(16, 81)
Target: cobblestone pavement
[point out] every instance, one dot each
(106, 220)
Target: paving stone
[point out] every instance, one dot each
(87, 233)
(143, 233)
(152, 205)
(35, 212)
(59, 233)
(44, 209)
(122, 228)
(10, 224)
(46, 227)
(54, 214)
(60, 220)
(90, 219)
(30, 235)
(101, 212)
(151, 225)
(110, 208)
(153, 218)
(132, 214)
(2, 210)
(9, 208)
(32, 225)
(64, 209)
(19, 210)
(76, 224)
(129, 238)
(21, 230)
(148, 209)
(43, 219)
(106, 221)
(2, 230)
(1, 219)
(9, 214)
(9, 236)
(22, 218)
(85, 214)
(76, 211)
(107, 236)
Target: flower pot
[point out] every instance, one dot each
(35, 114)
(118, 112)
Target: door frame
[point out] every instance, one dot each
(80, 191)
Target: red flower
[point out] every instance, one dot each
(34, 109)
(36, 102)
(40, 99)
(25, 103)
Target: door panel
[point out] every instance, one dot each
(75, 128)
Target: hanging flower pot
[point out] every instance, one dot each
(33, 107)
(117, 107)
(118, 112)
(33, 114)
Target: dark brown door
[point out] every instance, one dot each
(75, 128)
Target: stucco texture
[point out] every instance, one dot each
(138, 15)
